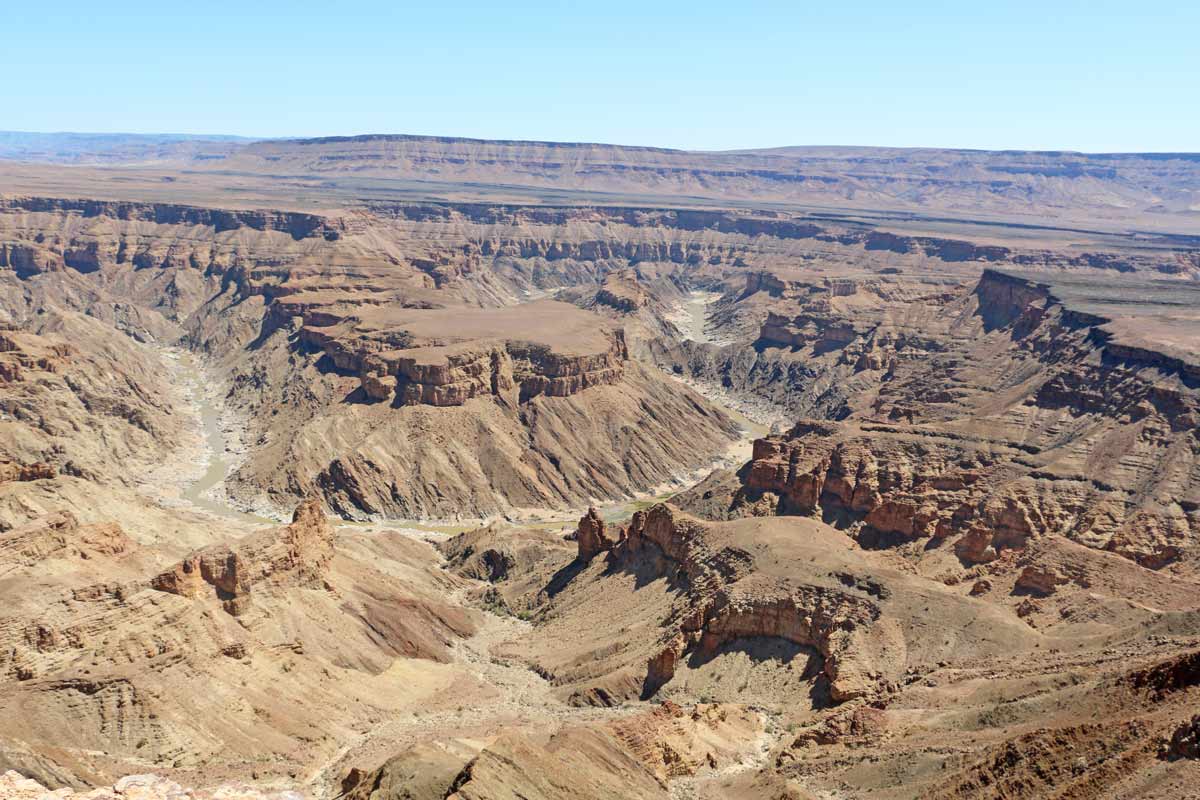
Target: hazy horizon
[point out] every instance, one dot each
(405, 134)
(1068, 76)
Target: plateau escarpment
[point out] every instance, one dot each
(1084, 188)
(444, 357)
(1061, 184)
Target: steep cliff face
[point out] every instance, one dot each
(814, 328)
(296, 225)
(703, 593)
(512, 371)
(744, 233)
(1037, 424)
(729, 602)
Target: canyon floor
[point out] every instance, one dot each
(402, 467)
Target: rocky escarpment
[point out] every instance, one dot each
(759, 224)
(1118, 329)
(812, 328)
(633, 252)
(743, 585)
(847, 319)
(893, 487)
(1052, 183)
(450, 355)
(729, 602)
(512, 372)
(1039, 422)
(295, 224)
(296, 555)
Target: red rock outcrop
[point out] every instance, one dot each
(592, 536)
(12, 471)
(1040, 579)
(514, 368)
(622, 291)
(856, 726)
(297, 225)
(445, 357)
(23, 353)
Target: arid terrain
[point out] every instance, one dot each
(396, 467)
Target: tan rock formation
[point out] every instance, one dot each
(10, 471)
(61, 536)
(592, 536)
(437, 364)
(715, 589)
(296, 555)
(992, 464)
(1185, 741)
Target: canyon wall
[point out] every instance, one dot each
(1032, 420)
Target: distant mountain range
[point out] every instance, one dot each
(93, 148)
(1065, 185)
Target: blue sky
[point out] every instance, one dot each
(1095, 76)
